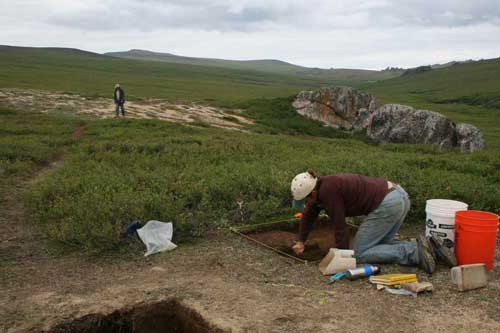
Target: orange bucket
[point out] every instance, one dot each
(475, 237)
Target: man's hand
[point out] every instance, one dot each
(298, 248)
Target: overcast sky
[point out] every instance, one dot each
(369, 34)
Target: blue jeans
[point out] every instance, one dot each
(374, 242)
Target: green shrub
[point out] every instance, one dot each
(203, 178)
(29, 141)
(277, 116)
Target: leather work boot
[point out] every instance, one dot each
(443, 253)
(425, 258)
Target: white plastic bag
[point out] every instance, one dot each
(403, 292)
(157, 237)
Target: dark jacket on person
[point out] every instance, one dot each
(341, 196)
(119, 96)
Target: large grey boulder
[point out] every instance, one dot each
(346, 108)
(339, 107)
(404, 124)
(469, 138)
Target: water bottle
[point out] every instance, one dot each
(361, 272)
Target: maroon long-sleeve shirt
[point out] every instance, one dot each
(341, 196)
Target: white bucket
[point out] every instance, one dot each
(440, 219)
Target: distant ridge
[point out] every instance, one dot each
(249, 71)
(60, 50)
(453, 63)
(146, 53)
(263, 65)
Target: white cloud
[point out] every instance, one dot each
(319, 33)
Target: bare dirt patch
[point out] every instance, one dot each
(184, 112)
(19, 239)
(235, 285)
(78, 132)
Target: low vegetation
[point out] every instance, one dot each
(203, 178)
(29, 141)
(277, 116)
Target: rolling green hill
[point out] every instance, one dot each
(208, 80)
(92, 74)
(474, 83)
(346, 76)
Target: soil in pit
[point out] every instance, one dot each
(282, 238)
(165, 316)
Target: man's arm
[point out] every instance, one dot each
(311, 213)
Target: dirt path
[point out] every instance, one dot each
(44, 101)
(19, 238)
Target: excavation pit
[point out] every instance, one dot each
(282, 236)
(164, 316)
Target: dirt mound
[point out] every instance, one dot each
(164, 316)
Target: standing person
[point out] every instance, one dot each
(119, 97)
(385, 205)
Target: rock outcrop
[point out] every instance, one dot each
(403, 124)
(345, 108)
(339, 107)
(469, 138)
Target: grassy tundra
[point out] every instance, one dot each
(203, 178)
(92, 75)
